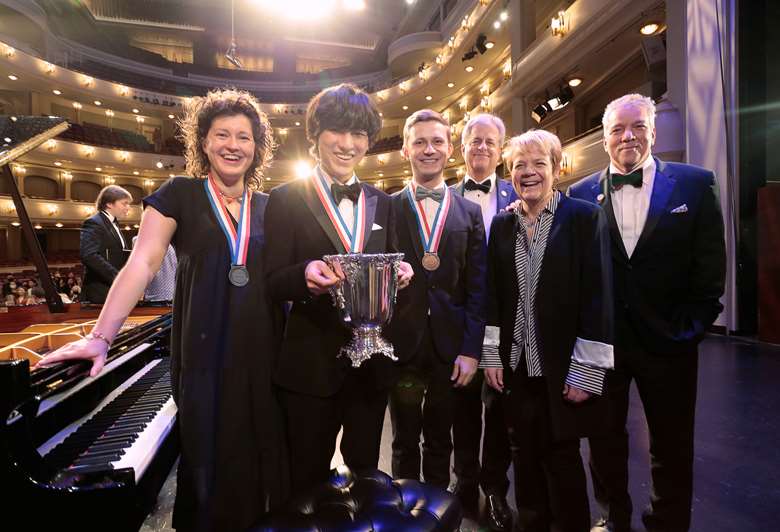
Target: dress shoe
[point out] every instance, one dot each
(602, 525)
(499, 515)
(469, 498)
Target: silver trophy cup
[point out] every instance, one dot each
(365, 300)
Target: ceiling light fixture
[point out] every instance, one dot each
(649, 29)
(575, 82)
(12, 77)
(469, 68)
(481, 44)
(450, 85)
(57, 92)
(232, 52)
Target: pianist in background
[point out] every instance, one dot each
(104, 249)
(232, 467)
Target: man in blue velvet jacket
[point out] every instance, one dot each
(669, 266)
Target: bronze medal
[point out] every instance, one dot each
(431, 261)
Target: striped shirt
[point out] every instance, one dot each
(529, 258)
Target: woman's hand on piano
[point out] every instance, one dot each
(93, 349)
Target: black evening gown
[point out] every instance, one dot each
(233, 465)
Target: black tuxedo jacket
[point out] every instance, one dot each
(454, 293)
(506, 193)
(102, 254)
(667, 294)
(573, 301)
(298, 231)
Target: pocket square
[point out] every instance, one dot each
(376, 227)
(680, 210)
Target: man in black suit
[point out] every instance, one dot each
(305, 220)
(439, 322)
(481, 143)
(104, 250)
(669, 263)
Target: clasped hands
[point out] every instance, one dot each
(320, 277)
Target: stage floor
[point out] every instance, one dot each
(736, 471)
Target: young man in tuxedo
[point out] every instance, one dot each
(439, 323)
(305, 220)
(104, 250)
(669, 265)
(481, 144)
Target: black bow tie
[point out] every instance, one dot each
(634, 179)
(339, 191)
(470, 184)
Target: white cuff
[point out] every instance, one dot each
(594, 354)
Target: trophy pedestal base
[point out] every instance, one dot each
(367, 341)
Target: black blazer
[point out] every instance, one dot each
(573, 300)
(667, 294)
(454, 293)
(103, 256)
(298, 231)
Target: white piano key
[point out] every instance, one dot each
(140, 453)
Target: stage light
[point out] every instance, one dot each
(540, 111)
(481, 44)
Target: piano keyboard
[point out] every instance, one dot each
(123, 431)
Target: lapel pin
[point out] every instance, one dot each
(600, 199)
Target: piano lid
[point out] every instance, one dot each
(21, 134)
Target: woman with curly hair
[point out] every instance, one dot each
(233, 462)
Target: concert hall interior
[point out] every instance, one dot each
(92, 93)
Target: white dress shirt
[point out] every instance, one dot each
(487, 202)
(631, 205)
(111, 219)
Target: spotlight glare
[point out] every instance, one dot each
(302, 169)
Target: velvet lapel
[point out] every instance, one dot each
(371, 200)
(601, 187)
(312, 201)
(411, 223)
(663, 186)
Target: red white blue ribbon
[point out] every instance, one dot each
(353, 239)
(430, 234)
(238, 238)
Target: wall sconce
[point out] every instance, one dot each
(283, 131)
(382, 95)
(108, 180)
(123, 91)
(77, 105)
(404, 86)
(51, 210)
(446, 114)
(558, 25)
(466, 118)
(9, 208)
(459, 172)
(123, 156)
(87, 81)
(148, 183)
(423, 72)
(19, 169)
(440, 59)
(9, 51)
(507, 69)
(484, 90)
(566, 164)
(48, 68)
(464, 25)
(88, 151)
(464, 103)
(140, 119)
(67, 176)
(109, 113)
(278, 109)
(382, 159)
(451, 42)
(88, 210)
(485, 103)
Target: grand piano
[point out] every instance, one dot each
(80, 452)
